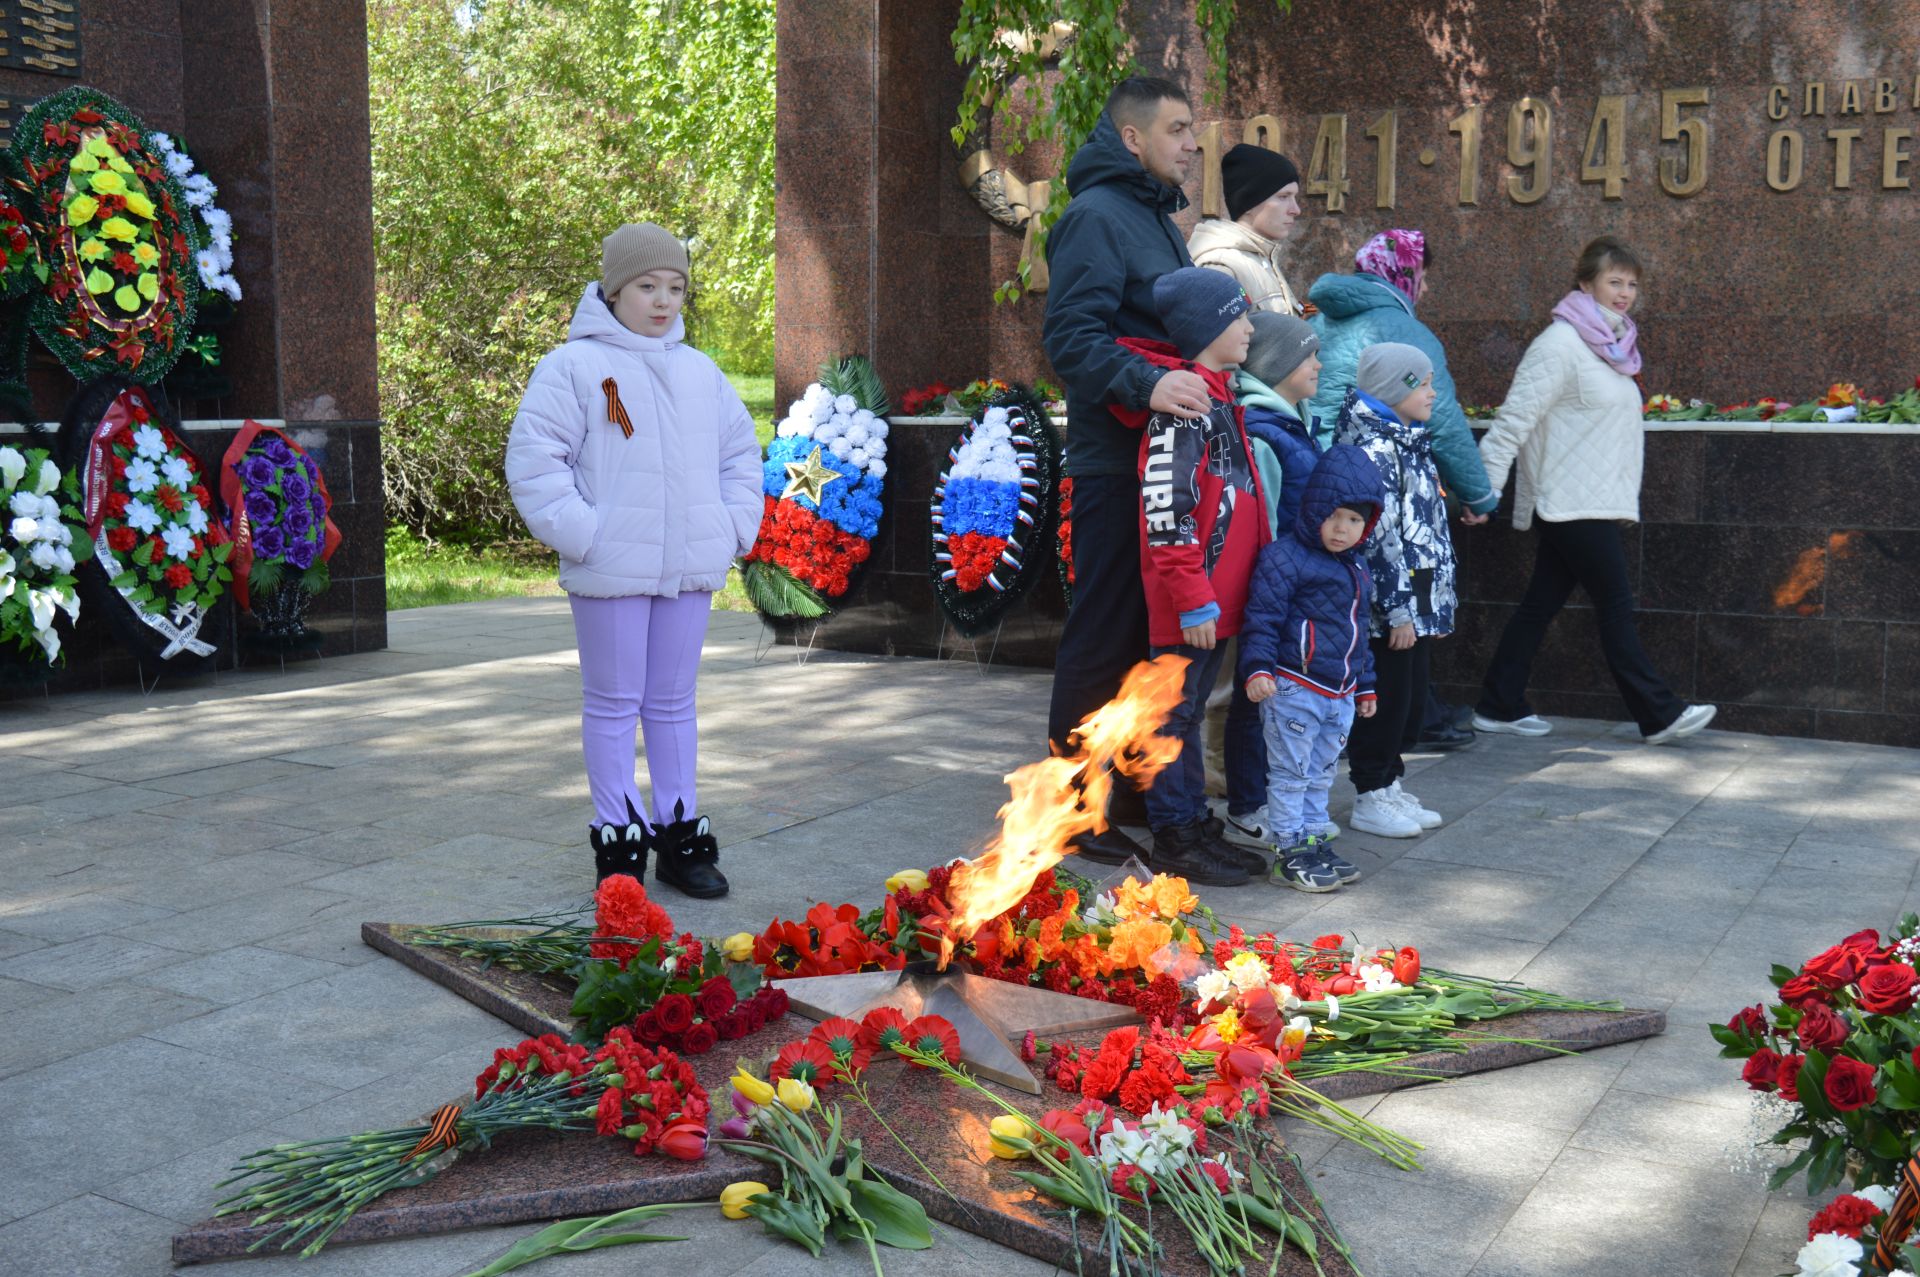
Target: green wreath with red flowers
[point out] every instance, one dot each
(116, 242)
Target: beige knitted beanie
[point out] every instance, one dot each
(635, 249)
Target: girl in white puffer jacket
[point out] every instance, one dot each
(1572, 425)
(634, 459)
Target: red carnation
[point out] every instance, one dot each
(675, 1013)
(1887, 989)
(122, 539)
(1144, 1088)
(1845, 1214)
(1821, 1030)
(179, 576)
(117, 503)
(1102, 1077)
(1762, 1071)
(716, 997)
(699, 1038)
(1132, 1183)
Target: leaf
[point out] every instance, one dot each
(1273, 1218)
(773, 591)
(783, 1217)
(897, 1220)
(1780, 1177)
(1728, 1038)
(573, 1235)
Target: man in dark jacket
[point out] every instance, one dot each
(1114, 240)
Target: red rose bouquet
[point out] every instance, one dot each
(672, 991)
(1837, 1053)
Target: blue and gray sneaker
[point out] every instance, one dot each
(1345, 869)
(1304, 867)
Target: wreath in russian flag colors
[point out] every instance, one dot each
(823, 478)
(993, 511)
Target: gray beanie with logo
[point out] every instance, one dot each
(1196, 305)
(1390, 371)
(1280, 344)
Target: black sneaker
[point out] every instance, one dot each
(688, 857)
(1304, 867)
(1444, 740)
(1108, 847)
(1183, 850)
(621, 849)
(1226, 851)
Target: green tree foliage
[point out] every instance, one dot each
(509, 136)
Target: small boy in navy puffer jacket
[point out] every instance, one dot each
(1304, 658)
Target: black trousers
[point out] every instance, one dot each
(1587, 553)
(1400, 682)
(1106, 629)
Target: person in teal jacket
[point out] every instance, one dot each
(1374, 305)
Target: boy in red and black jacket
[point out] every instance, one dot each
(1203, 520)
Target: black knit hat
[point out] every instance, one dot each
(1251, 174)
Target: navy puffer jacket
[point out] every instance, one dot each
(1306, 615)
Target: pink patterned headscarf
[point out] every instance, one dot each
(1399, 257)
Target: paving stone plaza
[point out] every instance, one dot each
(183, 979)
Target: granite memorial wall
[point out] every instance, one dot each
(1759, 154)
(272, 99)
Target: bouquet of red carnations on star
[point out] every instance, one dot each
(625, 1088)
(1837, 1054)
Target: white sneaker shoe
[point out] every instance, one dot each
(1425, 817)
(1327, 832)
(1692, 719)
(1375, 812)
(1251, 831)
(1531, 725)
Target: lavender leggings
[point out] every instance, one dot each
(639, 657)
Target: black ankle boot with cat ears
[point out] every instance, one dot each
(689, 856)
(621, 849)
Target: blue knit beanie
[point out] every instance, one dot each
(1196, 305)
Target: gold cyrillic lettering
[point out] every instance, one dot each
(1843, 140)
(1815, 101)
(1893, 158)
(1785, 152)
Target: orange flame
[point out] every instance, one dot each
(1809, 570)
(1058, 799)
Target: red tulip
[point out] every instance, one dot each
(684, 1140)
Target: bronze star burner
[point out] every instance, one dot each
(989, 1016)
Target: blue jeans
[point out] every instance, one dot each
(1179, 793)
(1305, 732)
(1246, 750)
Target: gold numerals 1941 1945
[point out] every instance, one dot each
(1681, 136)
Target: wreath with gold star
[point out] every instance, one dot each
(823, 479)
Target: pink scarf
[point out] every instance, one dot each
(1621, 350)
(1399, 257)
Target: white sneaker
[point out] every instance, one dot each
(1327, 832)
(1375, 812)
(1250, 831)
(1423, 816)
(1531, 725)
(1691, 720)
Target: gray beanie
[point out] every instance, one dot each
(635, 249)
(1280, 344)
(1196, 305)
(1390, 370)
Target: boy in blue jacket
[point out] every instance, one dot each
(1305, 662)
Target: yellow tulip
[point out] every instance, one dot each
(126, 299)
(795, 1095)
(117, 228)
(81, 209)
(108, 182)
(735, 1196)
(1009, 1127)
(911, 879)
(752, 1087)
(738, 947)
(139, 205)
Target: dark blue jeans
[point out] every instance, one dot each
(1179, 793)
(1246, 749)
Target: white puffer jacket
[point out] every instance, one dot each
(664, 511)
(1251, 258)
(1574, 425)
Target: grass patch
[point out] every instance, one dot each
(426, 573)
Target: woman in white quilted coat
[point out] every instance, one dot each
(634, 459)
(1571, 430)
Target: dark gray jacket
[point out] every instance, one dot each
(1114, 240)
